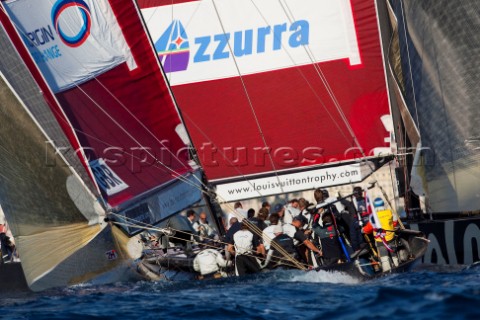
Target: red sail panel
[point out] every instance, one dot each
(97, 58)
(249, 79)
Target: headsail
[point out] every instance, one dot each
(115, 112)
(107, 90)
(269, 89)
(52, 235)
(439, 51)
(18, 77)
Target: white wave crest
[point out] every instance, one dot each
(324, 277)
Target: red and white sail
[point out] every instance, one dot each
(99, 72)
(268, 87)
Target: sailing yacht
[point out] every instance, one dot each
(219, 101)
(433, 71)
(294, 92)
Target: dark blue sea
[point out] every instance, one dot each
(425, 293)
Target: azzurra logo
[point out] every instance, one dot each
(78, 39)
(173, 49)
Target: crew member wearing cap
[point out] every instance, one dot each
(285, 216)
(382, 223)
(300, 239)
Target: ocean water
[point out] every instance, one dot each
(425, 293)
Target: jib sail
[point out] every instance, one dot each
(106, 88)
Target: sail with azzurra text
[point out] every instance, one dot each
(274, 90)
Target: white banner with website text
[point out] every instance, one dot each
(293, 182)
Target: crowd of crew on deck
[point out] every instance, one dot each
(297, 235)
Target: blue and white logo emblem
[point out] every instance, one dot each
(84, 31)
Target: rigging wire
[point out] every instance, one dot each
(206, 189)
(167, 230)
(210, 191)
(250, 103)
(309, 53)
(341, 113)
(138, 121)
(327, 86)
(202, 132)
(321, 76)
(253, 109)
(339, 109)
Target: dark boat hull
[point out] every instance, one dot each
(12, 279)
(416, 246)
(361, 269)
(451, 241)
